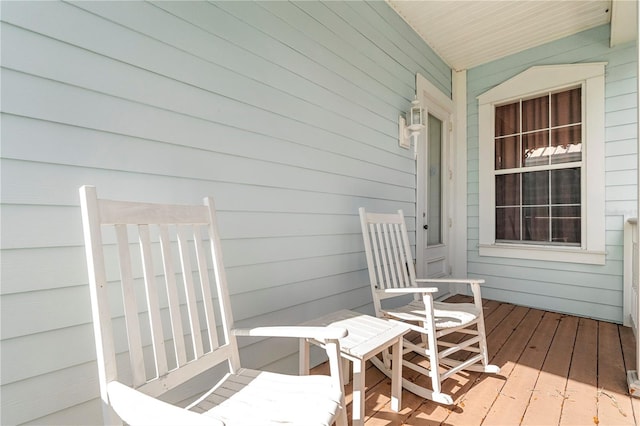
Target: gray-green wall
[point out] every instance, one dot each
(286, 113)
(585, 290)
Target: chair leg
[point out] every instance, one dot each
(423, 337)
(342, 416)
(421, 391)
(431, 349)
(488, 368)
(346, 373)
(358, 392)
(386, 358)
(303, 357)
(432, 354)
(396, 380)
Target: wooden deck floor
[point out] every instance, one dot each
(555, 370)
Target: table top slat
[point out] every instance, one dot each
(367, 336)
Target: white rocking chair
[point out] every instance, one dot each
(392, 275)
(170, 257)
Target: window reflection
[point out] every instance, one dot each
(536, 149)
(566, 146)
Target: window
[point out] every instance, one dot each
(538, 162)
(542, 165)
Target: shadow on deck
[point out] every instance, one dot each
(555, 370)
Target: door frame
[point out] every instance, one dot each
(454, 169)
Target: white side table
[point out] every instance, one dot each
(367, 337)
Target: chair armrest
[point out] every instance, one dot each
(474, 283)
(136, 408)
(450, 280)
(298, 331)
(328, 335)
(411, 290)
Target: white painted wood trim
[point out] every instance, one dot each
(458, 235)
(427, 89)
(544, 253)
(632, 375)
(630, 295)
(540, 78)
(535, 80)
(444, 108)
(624, 22)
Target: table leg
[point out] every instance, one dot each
(303, 357)
(358, 392)
(396, 379)
(346, 376)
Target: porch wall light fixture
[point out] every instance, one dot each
(408, 132)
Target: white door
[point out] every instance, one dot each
(433, 215)
(433, 258)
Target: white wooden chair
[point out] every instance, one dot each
(392, 275)
(162, 316)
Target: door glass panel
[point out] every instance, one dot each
(434, 179)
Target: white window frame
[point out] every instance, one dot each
(533, 81)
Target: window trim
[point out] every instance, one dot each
(530, 82)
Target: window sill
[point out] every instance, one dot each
(544, 253)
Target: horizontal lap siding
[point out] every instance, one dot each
(586, 290)
(286, 113)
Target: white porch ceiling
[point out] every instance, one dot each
(467, 33)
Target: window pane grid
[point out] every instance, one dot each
(538, 161)
(558, 166)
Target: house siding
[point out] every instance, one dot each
(585, 290)
(286, 113)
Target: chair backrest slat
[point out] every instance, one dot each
(410, 268)
(130, 304)
(189, 289)
(389, 260)
(395, 264)
(378, 244)
(153, 304)
(220, 279)
(388, 252)
(405, 255)
(172, 296)
(154, 260)
(210, 317)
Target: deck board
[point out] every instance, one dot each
(613, 403)
(513, 335)
(629, 354)
(545, 405)
(513, 399)
(555, 370)
(580, 406)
